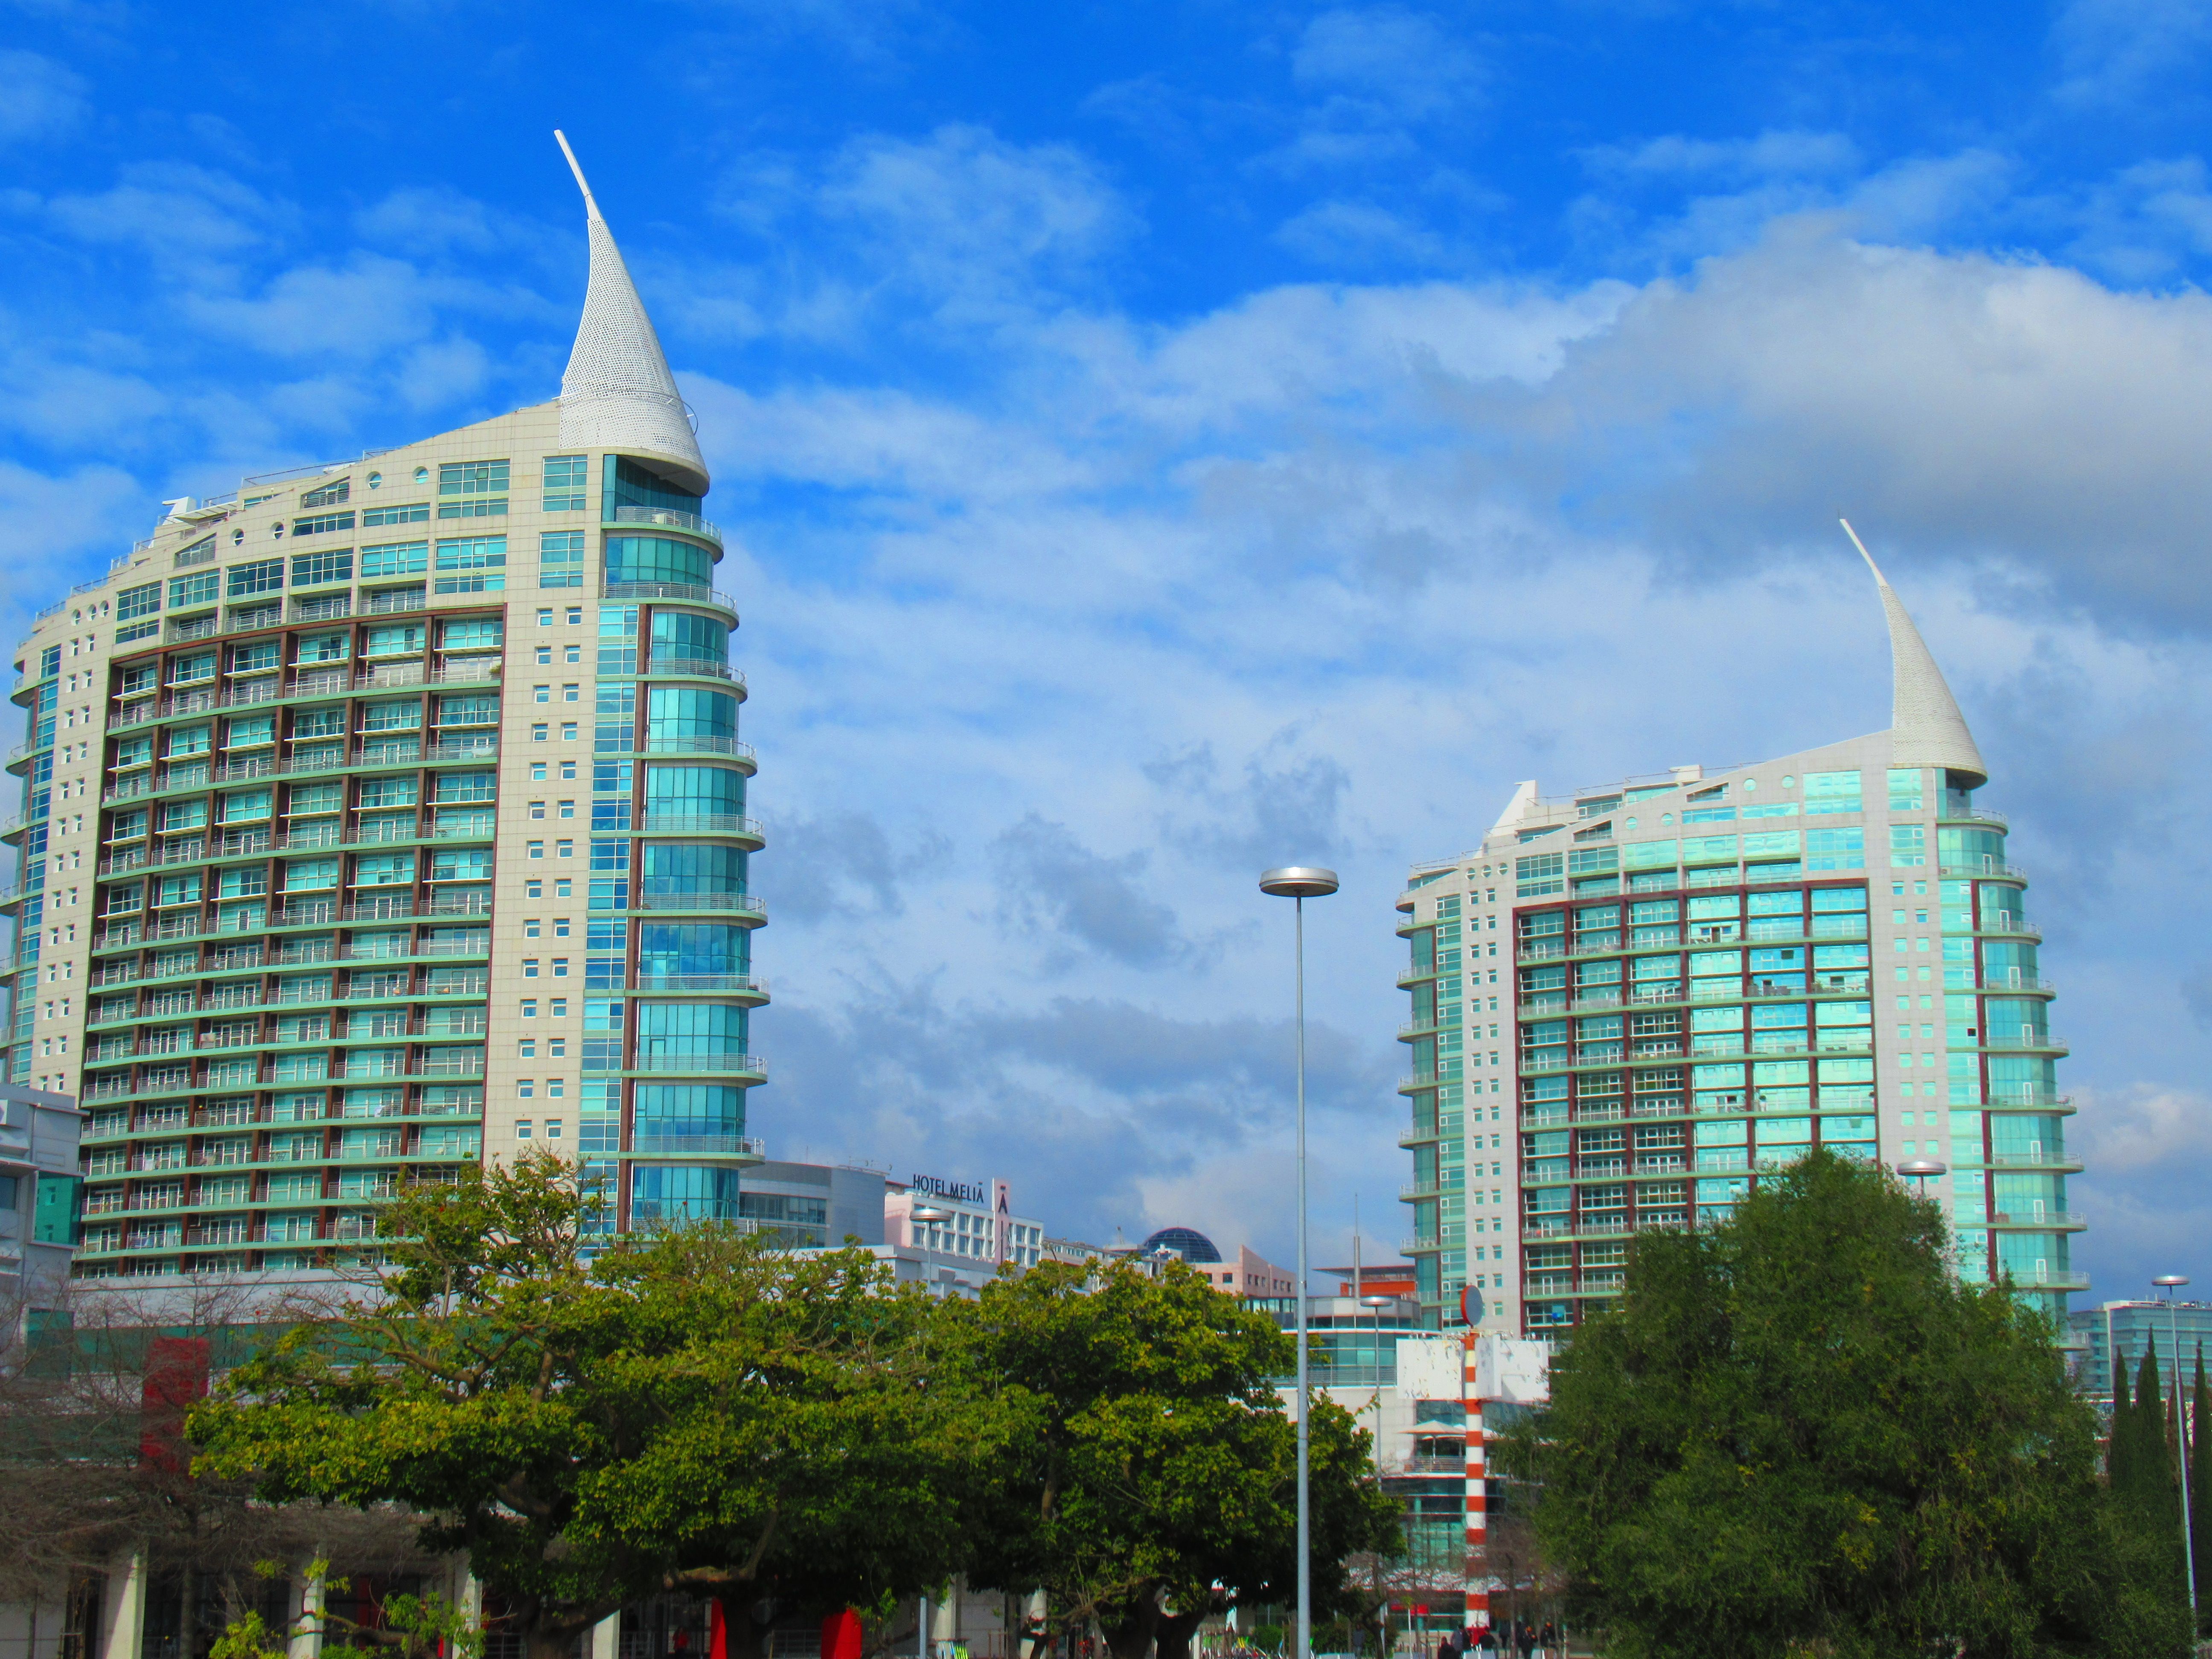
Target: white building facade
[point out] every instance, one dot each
(1628, 1003)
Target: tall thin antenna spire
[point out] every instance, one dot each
(618, 393)
(1926, 728)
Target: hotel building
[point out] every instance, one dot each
(382, 816)
(1628, 1003)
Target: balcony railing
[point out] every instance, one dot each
(700, 667)
(1985, 867)
(745, 904)
(713, 824)
(677, 592)
(739, 984)
(668, 517)
(711, 1060)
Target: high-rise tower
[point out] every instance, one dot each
(1628, 1003)
(387, 814)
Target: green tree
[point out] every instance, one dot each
(688, 1411)
(1146, 1470)
(1799, 1432)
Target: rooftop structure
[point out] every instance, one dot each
(1629, 1003)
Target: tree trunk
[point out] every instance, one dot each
(552, 1639)
(1175, 1631)
(1131, 1636)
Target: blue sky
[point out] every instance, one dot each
(1161, 441)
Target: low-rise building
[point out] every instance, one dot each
(2127, 1330)
(41, 1192)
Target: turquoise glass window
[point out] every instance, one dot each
(658, 559)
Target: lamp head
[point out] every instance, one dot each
(1298, 881)
(1376, 1301)
(1913, 1167)
(927, 1213)
(2171, 1281)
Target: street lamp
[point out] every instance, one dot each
(1378, 1303)
(924, 1215)
(1301, 883)
(1920, 1171)
(2170, 1283)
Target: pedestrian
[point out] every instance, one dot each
(1548, 1638)
(1488, 1637)
(1525, 1638)
(1445, 1649)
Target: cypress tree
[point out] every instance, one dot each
(2119, 1438)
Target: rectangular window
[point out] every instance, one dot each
(312, 569)
(202, 589)
(1904, 789)
(1908, 846)
(395, 559)
(1832, 792)
(139, 630)
(138, 601)
(261, 576)
(1835, 849)
(477, 555)
(400, 513)
(561, 558)
(472, 489)
(328, 494)
(565, 477)
(322, 524)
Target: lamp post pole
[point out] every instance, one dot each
(2170, 1283)
(1301, 883)
(1374, 1304)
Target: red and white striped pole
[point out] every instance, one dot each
(1477, 1579)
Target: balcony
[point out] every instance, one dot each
(741, 903)
(680, 743)
(673, 592)
(750, 1148)
(696, 667)
(2059, 1162)
(1419, 1191)
(2041, 1040)
(2049, 1278)
(1414, 976)
(1988, 869)
(689, 524)
(744, 985)
(714, 1061)
(2065, 1221)
(717, 824)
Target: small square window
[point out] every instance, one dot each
(530, 1007)
(545, 615)
(575, 653)
(545, 655)
(525, 1087)
(539, 733)
(564, 849)
(568, 730)
(575, 615)
(558, 1048)
(538, 849)
(533, 890)
(522, 1129)
(528, 1049)
(561, 889)
(560, 967)
(552, 1129)
(530, 928)
(568, 771)
(530, 967)
(537, 808)
(541, 694)
(538, 771)
(556, 1087)
(560, 927)
(567, 809)
(560, 1008)
(571, 693)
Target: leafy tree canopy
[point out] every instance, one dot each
(1799, 1432)
(1147, 1469)
(691, 1409)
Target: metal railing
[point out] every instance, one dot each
(667, 518)
(745, 904)
(717, 823)
(677, 592)
(719, 1061)
(738, 984)
(698, 667)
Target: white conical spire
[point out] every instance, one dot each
(618, 392)
(1926, 728)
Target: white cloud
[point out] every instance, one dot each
(2113, 51)
(1786, 152)
(1404, 61)
(39, 97)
